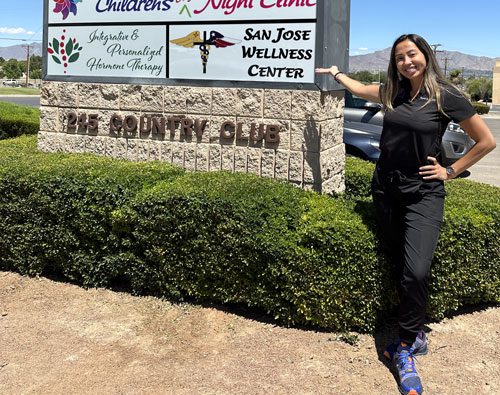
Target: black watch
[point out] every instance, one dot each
(450, 171)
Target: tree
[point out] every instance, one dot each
(2, 61)
(363, 76)
(455, 77)
(11, 69)
(36, 67)
(383, 77)
(480, 88)
(368, 77)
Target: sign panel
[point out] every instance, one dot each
(253, 43)
(262, 52)
(101, 51)
(127, 11)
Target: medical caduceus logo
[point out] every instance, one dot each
(194, 39)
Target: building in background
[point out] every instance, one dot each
(496, 87)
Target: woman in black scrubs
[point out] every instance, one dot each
(407, 186)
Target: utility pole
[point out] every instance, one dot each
(27, 48)
(435, 48)
(436, 51)
(446, 65)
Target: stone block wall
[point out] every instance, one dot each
(284, 134)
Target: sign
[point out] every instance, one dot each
(129, 11)
(114, 51)
(251, 42)
(263, 52)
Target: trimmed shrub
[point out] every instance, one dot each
(304, 258)
(240, 238)
(55, 210)
(466, 268)
(17, 120)
(358, 177)
(481, 108)
(230, 238)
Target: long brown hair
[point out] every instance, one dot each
(433, 77)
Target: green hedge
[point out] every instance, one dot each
(55, 210)
(17, 120)
(481, 108)
(358, 177)
(230, 238)
(240, 238)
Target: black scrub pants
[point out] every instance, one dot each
(410, 214)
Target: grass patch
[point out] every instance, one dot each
(6, 90)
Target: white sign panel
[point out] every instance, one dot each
(257, 52)
(107, 51)
(126, 11)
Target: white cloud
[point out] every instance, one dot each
(15, 30)
(363, 49)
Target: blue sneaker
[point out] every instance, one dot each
(419, 346)
(409, 381)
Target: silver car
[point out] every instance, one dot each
(363, 127)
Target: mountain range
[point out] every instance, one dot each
(375, 61)
(19, 52)
(451, 60)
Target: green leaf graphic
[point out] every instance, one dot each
(80, 48)
(55, 44)
(74, 57)
(56, 59)
(69, 47)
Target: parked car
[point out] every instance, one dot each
(10, 83)
(363, 128)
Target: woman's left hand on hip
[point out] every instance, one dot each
(433, 171)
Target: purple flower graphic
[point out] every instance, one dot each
(65, 7)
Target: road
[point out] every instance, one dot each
(32, 101)
(487, 170)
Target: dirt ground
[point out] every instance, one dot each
(57, 338)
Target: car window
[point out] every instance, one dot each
(352, 101)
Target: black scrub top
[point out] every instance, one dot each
(414, 130)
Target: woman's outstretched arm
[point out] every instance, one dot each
(368, 92)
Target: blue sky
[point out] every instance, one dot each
(471, 27)
(468, 26)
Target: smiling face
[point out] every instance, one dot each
(410, 62)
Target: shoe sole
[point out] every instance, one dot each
(412, 392)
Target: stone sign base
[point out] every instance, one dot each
(283, 134)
